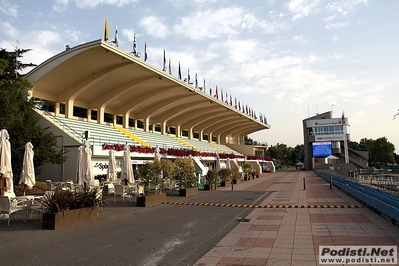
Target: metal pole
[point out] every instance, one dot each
(331, 180)
(304, 185)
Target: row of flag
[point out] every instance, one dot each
(241, 107)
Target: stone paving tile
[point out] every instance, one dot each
(279, 236)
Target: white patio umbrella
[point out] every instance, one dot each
(28, 171)
(6, 182)
(111, 173)
(157, 155)
(85, 166)
(228, 166)
(217, 167)
(79, 177)
(127, 170)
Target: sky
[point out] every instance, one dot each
(286, 59)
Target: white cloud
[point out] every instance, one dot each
(300, 39)
(229, 22)
(344, 6)
(335, 38)
(9, 30)
(8, 8)
(61, 5)
(337, 25)
(303, 8)
(154, 27)
(73, 35)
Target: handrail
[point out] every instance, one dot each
(61, 123)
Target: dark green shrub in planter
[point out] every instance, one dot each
(225, 175)
(185, 172)
(211, 178)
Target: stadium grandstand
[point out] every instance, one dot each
(113, 98)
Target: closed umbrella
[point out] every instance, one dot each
(79, 176)
(111, 174)
(84, 167)
(28, 171)
(127, 170)
(228, 166)
(6, 182)
(157, 155)
(217, 168)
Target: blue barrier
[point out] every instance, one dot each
(382, 201)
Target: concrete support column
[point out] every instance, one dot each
(69, 109)
(147, 124)
(88, 115)
(57, 109)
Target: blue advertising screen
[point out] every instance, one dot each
(322, 149)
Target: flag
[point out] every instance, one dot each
(106, 29)
(116, 35)
(170, 67)
(145, 51)
(134, 45)
(204, 86)
(231, 101)
(343, 118)
(210, 91)
(217, 95)
(179, 71)
(235, 102)
(221, 93)
(164, 61)
(196, 81)
(188, 76)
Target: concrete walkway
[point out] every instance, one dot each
(292, 236)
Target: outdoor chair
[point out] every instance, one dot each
(49, 185)
(154, 187)
(133, 190)
(10, 207)
(37, 205)
(99, 196)
(120, 190)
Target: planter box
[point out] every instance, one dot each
(223, 184)
(210, 187)
(186, 192)
(150, 200)
(236, 181)
(69, 218)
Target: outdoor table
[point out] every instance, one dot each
(25, 202)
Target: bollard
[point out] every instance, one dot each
(232, 185)
(304, 186)
(331, 182)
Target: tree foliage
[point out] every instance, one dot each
(16, 116)
(381, 151)
(185, 172)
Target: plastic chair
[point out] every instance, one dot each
(36, 204)
(6, 207)
(120, 191)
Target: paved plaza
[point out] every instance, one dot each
(291, 236)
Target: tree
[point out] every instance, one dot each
(185, 172)
(382, 151)
(16, 116)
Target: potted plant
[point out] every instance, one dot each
(66, 208)
(185, 173)
(211, 178)
(236, 176)
(168, 170)
(151, 173)
(225, 175)
(247, 170)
